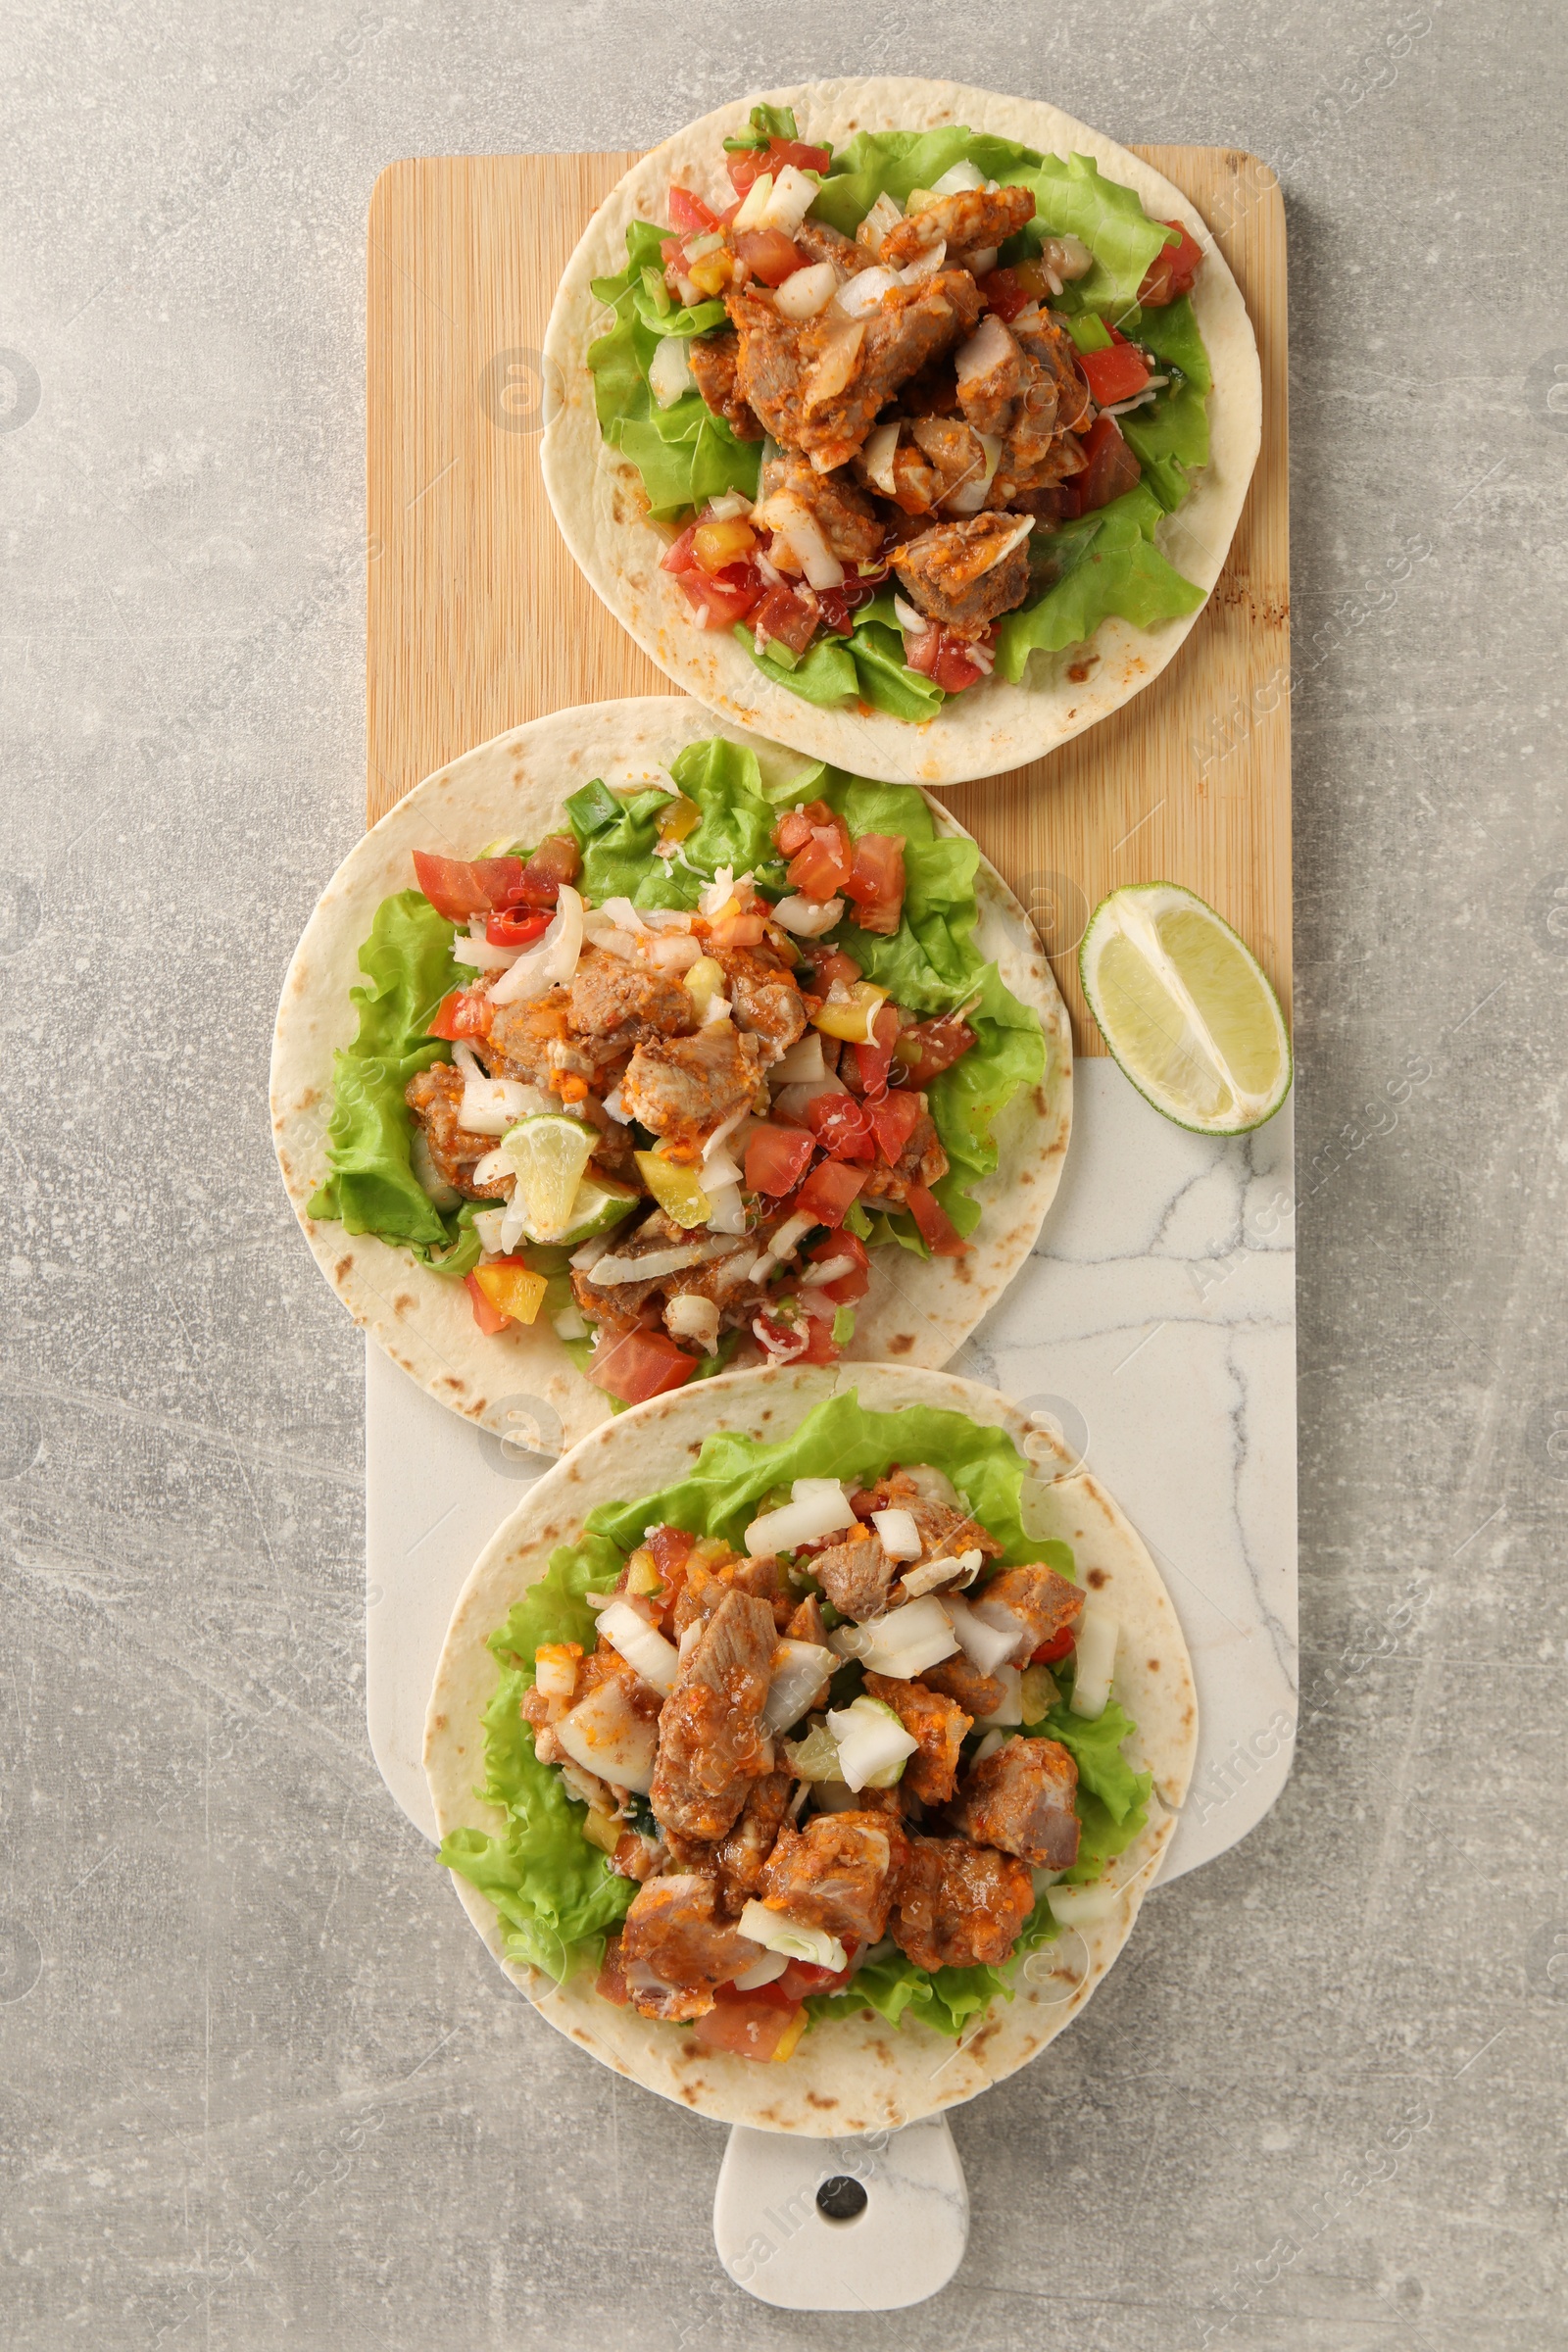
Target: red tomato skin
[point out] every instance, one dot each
(1004, 294)
(841, 1127)
(1172, 272)
(639, 1365)
(942, 658)
(722, 598)
(464, 1013)
(875, 882)
(458, 887)
(486, 1315)
(828, 1191)
(1117, 373)
(801, 1977)
(927, 1048)
(937, 1229)
(851, 1286)
(893, 1123)
(679, 555)
(555, 861)
(768, 253)
(797, 825)
(671, 1548)
(748, 164)
(1111, 468)
(872, 1061)
(1052, 1652)
(775, 1158)
(821, 867)
(781, 618)
(510, 927)
(688, 213)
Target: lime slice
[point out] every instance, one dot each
(1185, 1009)
(599, 1204)
(548, 1153)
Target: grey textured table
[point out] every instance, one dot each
(260, 2083)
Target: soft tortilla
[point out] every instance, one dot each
(522, 1383)
(856, 2073)
(598, 498)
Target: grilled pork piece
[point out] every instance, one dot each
(674, 1948)
(837, 1873)
(856, 1574)
(958, 1904)
(681, 1088)
(938, 1722)
(1022, 1799)
(978, 1695)
(713, 360)
(806, 1625)
(743, 1853)
(1044, 339)
(820, 242)
(843, 513)
(711, 1743)
(520, 1037)
(435, 1098)
(968, 223)
(1043, 1601)
(944, 1530)
(626, 1003)
(963, 574)
(767, 1003)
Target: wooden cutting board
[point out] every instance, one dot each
(478, 618)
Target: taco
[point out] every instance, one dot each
(666, 1052)
(906, 423)
(804, 1749)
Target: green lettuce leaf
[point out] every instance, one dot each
(768, 123)
(1113, 567)
(1171, 333)
(409, 967)
(1170, 440)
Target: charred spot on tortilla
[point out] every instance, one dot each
(1096, 1577)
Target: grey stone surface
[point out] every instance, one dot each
(261, 2083)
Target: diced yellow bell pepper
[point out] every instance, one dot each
(718, 544)
(675, 1189)
(515, 1291)
(681, 817)
(789, 2038)
(602, 1830)
(642, 1572)
(711, 273)
(704, 980)
(853, 1017)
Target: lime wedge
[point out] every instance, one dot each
(548, 1153)
(1185, 1009)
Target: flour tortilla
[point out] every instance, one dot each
(856, 2073)
(522, 1384)
(598, 499)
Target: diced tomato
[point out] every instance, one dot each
(776, 1157)
(554, 862)
(893, 1121)
(847, 1288)
(679, 556)
(721, 599)
(944, 659)
(747, 929)
(823, 865)
(1052, 1652)
(802, 1977)
(872, 1061)
(937, 1229)
(841, 1127)
(748, 164)
(640, 1364)
(1111, 468)
(514, 927)
(876, 882)
(464, 1013)
(1171, 272)
(1118, 372)
(1004, 293)
(747, 2025)
(611, 1982)
(821, 1345)
(833, 964)
(840, 605)
(828, 1191)
(671, 1549)
(688, 213)
(458, 887)
(784, 618)
(927, 1048)
(488, 1316)
(768, 253)
(797, 825)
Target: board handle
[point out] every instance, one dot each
(842, 2224)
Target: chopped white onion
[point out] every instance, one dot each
(802, 1671)
(1004, 1623)
(718, 510)
(787, 1241)
(1082, 1906)
(651, 1265)
(953, 1573)
(552, 962)
(482, 956)
(900, 1538)
(1095, 1661)
(817, 1506)
(606, 1734)
(689, 1316)
(915, 624)
(934, 1485)
(763, 1971)
(829, 1269)
(792, 198)
(794, 527)
(568, 1324)
(614, 942)
(429, 1177)
(494, 1165)
(900, 1644)
(883, 218)
(984, 1645)
(873, 1745)
(829, 376)
(925, 264)
(860, 295)
(489, 1106)
(755, 206)
(487, 1225)
(1002, 549)
(778, 1933)
(959, 180)
(1010, 1711)
(982, 261)
(988, 1746)
(807, 292)
(727, 1210)
(806, 917)
(989, 346)
(669, 374)
(720, 891)
(803, 1064)
(877, 459)
(616, 1107)
(644, 1649)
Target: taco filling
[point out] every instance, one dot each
(889, 404)
(668, 1076)
(776, 1746)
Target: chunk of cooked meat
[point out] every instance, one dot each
(968, 223)
(952, 449)
(744, 1851)
(958, 1905)
(675, 1947)
(435, 1098)
(990, 391)
(620, 1305)
(767, 1003)
(856, 1574)
(841, 513)
(1022, 1799)
(963, 574)
(978, 1695)
(1042, 335)
(636, 1857)
(1043, 1601)
(932, 392)
(681, 1088)
(837, 1873)
(624, 1003)
(535, 1043)
(944, 1530)
(922, 1160)
(711, 1741)
(938, 1722)
(806, 1625)
(713, 360)
(708, 1580)
(778, 360)
(819, 241)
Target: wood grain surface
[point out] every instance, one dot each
(478, 618)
